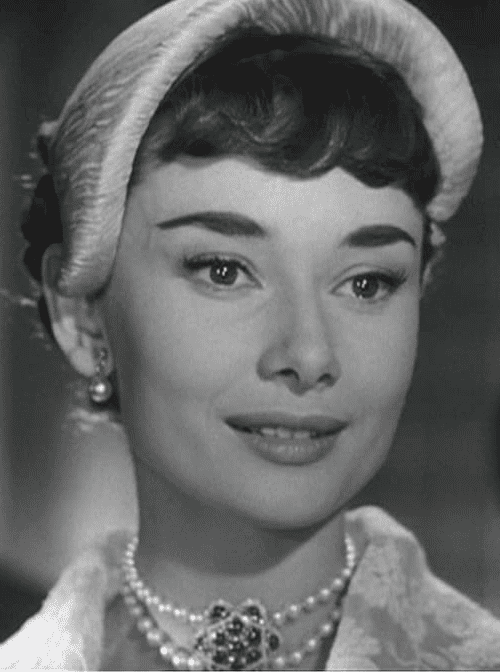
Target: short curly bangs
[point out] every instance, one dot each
(299, 105)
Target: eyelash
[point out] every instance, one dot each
(391, 281)
(194, 265)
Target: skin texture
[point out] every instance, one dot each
(289, 335)
(297, 340)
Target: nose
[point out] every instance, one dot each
(301, 352)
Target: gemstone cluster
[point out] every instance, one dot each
(237, 638)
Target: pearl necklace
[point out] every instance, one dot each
(227, 637)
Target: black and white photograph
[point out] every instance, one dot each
(250, 335)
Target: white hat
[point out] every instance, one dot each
(93, 143)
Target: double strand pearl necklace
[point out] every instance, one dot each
(232, 638)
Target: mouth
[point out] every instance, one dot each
(285, 439)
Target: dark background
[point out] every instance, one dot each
(59, 486)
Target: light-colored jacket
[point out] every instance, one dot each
(397, 614)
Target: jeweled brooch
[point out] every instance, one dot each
(236, 638)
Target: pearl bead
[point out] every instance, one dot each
(179, 659)
(346, 573)
(180, 613)
(325, 629)
(194, 663)
(136, 611)
(152, 600)
(279, 663)
(193, 618)
(100, 390)
(154, 637)
(130, 600)
(144, 624)
(336, 615)
(167, 651)
(142, 594)
(278, 618)
(165, 608)
(337, 584)
(324, 594)
(312, 644)
(293, 611)
(296, 658)
(310, 603)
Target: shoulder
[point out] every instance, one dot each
(412, 619)
(67, 632)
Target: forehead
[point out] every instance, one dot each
(333, 203)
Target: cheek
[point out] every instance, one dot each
(381, 356)
(176, 343)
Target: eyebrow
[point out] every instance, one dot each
(234, 224)
(226, 223)
(377, 235)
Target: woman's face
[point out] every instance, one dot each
(264, 331)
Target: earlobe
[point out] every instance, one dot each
(76, 321)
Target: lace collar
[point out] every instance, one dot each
(397, 614)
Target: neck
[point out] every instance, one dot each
(193, 553)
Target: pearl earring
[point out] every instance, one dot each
(100, 389)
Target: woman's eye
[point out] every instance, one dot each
(220, 273)
(371, 287)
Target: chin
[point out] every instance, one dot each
(277, 496)
(286, 509)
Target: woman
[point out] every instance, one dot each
(233, 236)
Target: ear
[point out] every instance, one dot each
(77, 322)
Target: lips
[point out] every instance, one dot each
(311, 425)
(285, 439)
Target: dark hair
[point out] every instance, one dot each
(297, 104)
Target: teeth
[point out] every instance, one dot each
(283, 433)
(302, 435)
